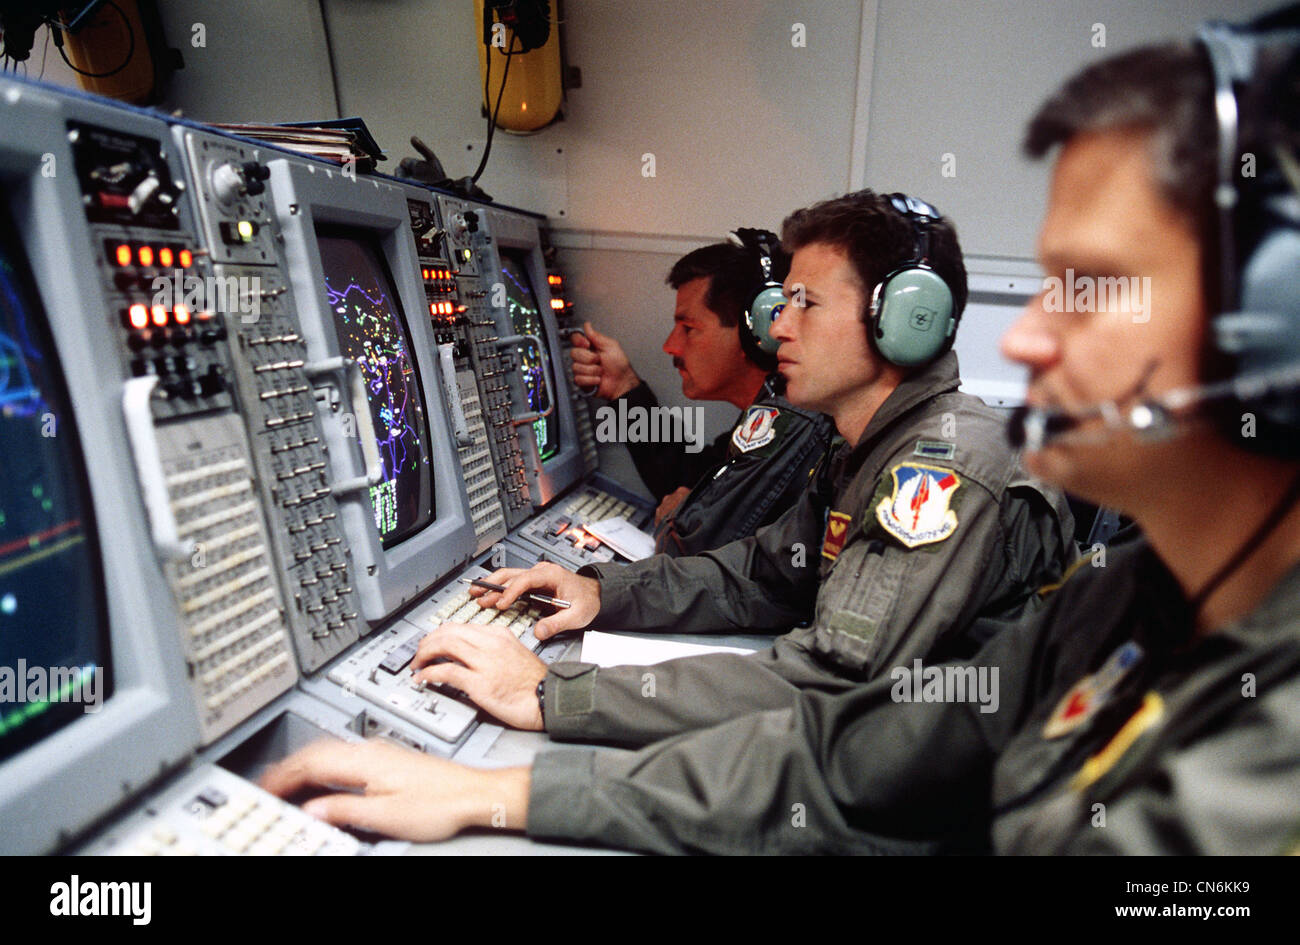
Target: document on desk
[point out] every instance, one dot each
(613, 649)
(624, 537)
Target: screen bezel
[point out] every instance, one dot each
(308, 194)
(518, 258)
(550, 478)
(58, 397)
(55, 789)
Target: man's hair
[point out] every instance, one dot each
(1166, 90)
(734, 277)
(877, 239)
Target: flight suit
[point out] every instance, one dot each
(876, 591)
(771, 452)
(1115, 730)
(745, 479)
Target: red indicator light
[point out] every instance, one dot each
(166, 257)
(123, 255)
(557, 303)
(186, 258)
(554, 280)
(139, 315)
(145, 255)
(433, 309)
(182, 315)
(159, 315)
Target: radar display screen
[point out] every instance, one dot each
(371, 330)
(53, 625)
(526, 318)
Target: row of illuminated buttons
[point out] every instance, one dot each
(140, 315)
(147, 256)
(446, 308)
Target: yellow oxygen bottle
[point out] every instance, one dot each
(534, 89)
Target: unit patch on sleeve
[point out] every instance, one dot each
(918, 512)
(756, 429)
(837, 529)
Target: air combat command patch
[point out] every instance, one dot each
(918, 512)
(756, 429)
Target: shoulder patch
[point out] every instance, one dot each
(837, 530)
(918, 512)
(756, 430)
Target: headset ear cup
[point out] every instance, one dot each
(763, 311)
(912, 317)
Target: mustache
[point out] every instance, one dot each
(678, 363)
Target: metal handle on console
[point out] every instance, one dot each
(447, 364)
(349, 371)
(533, 417)
(136, 394)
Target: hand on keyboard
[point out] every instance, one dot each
(497, 672)
(407, 794)
(582, 593)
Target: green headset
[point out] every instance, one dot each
(768, 298)
(912, 319)
(1256, 329)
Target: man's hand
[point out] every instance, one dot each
(401, 793)
(670, 502)
(599, 362)
(582, 593)
(494, 669)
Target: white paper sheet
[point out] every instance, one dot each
(625, 538)
(613, 649)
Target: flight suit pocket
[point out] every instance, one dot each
(856, 601)
(575, 688)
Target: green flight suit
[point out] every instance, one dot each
(986, 537)
(1192, 747)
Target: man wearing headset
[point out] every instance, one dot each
(751, 474)
(1151, 707)
(899, 545)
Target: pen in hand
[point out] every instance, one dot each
(531, 595)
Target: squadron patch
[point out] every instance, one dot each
(918, 512)
(756, 429)
(1091, 692)
(1148, 715)
(837, 529)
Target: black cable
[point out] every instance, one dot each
(1250, 545)
(130, 51)
(492, 121)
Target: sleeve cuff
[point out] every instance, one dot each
(559, 799)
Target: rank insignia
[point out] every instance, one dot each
(1091, 692)
(918, 512)
(756, 429)
(837, 529)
